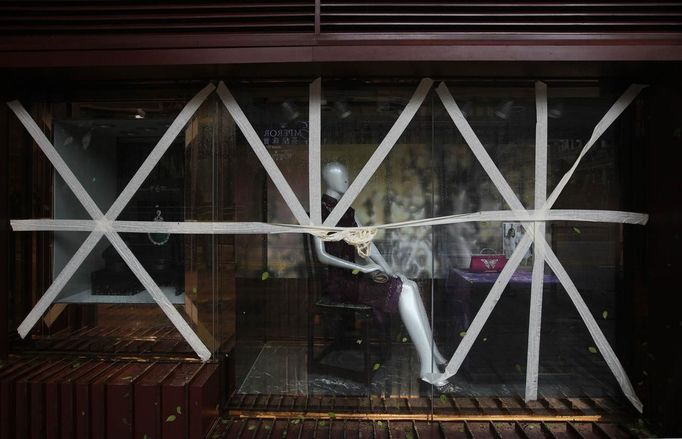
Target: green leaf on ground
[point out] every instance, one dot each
(376, 366)
(170, 418)
(265, 276)
(592, 349)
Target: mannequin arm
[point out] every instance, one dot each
(375, 256)
(328, 259)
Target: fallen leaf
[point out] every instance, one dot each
(252, 427)
(577, 230)
(376, 366)
(605, 314)
(592, 349)
(443, 398)
(170, 418)
(404, 339)
(462, 333)
(265, 276)
(356, 271)
(332, 415)
(178, 409)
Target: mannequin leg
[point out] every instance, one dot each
(423, 316)
(410, 315)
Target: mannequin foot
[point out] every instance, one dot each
(439, 383)
(426, 374)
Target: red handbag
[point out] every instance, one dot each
(487, 262)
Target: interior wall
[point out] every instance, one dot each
(91, 163)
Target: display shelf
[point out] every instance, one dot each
(142, 297)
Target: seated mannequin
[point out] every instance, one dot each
(397, 294)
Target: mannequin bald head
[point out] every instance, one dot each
(335, 177)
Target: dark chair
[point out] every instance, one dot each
(346, 318)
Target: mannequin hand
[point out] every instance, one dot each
(371, 267)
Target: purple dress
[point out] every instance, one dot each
(343, 285)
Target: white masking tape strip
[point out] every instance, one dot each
(537, 280)
(314, 155)
(158, 151)
(611, 115)
(104, 223)
(263, 155)
(53, 156)
(58, 284)
(381, 152)
(592, 326)
(483, 313)
(198, 228)
(153, 289)
(477, 148)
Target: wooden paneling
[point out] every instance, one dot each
(75, 33)
(499, 16)
(124, 17)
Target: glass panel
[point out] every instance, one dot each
(305, 318)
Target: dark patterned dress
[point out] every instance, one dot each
(343, 285)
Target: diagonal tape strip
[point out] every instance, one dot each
(483, 313)
(263, 155)
(381, 152)
(90, 242)
(611, 115)
(592, 326)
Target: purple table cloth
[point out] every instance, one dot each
(461, 282)
(519, 277)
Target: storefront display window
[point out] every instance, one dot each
(278, 301)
